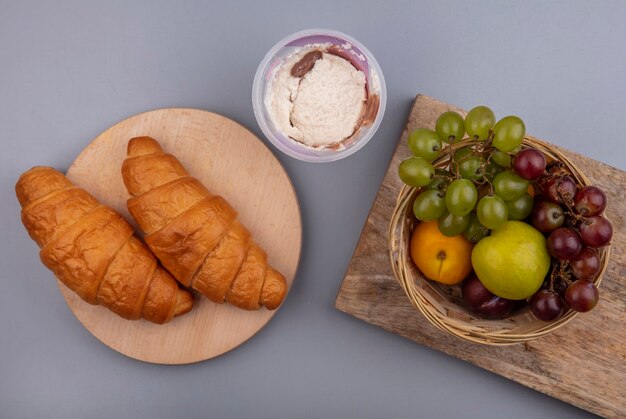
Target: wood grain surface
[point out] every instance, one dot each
(582, 363)
(231, 162)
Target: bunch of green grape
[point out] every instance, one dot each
(477, 190)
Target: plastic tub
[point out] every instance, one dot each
(360, 58)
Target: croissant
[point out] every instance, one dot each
(92, 250)
(195, 234)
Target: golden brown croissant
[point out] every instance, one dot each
(92, 250)
(196, 235)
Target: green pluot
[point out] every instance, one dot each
(513, 261)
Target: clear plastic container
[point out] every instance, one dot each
(265, 74)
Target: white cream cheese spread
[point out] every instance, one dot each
(318, 98)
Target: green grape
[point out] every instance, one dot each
(450, 127)
(478, 122)
(429, 205)
(425, 143)
(492, 211)
(509, 186)
(492, 169)
(501, 158)
(443, 173)
(441, 180)
(461, 153)
(521, 207)
(437, 184)
(508, 133)
(475, 230)
(452, 225)
(469, 168)
(416, 171)
(461, 196)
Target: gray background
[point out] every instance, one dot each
(69, 70)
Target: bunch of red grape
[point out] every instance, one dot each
(572, 219)
(492, 180)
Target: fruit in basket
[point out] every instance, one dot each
(564, 243)
(547, 216)
(425, 143)
(508, 133)
(529, 163)
(520, 208)
(492, 211)
(590, 201)
(546, 305)
(513, 261)
(478, 196)
(416, 171)
(466, 164)
(450, 127)
(440, 258)
(558, 189)
(461, 197)
(492, 170)
(478, 122)
(470, 168)
(586, 265)
(452, 225)
(461, 154)
(572, 217)
(510, 186)
(596, 231)
(440, 180)
(475, 231)
(429, 205)
(582, 295)
(482, 301)
(501, 158)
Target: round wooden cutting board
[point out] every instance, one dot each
(230, 161)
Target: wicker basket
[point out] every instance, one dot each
(441, 304)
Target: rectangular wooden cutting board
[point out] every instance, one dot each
(582, 363)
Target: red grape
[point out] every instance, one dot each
(560, 286)
(589, 201)
(497, 307)
(474, 293)
(596, 231)
(482, 301)
(564, 243)
(546, 305)
(529, 163)
(586, 265)
(582, 295)
(559, 188)
(547, 216)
